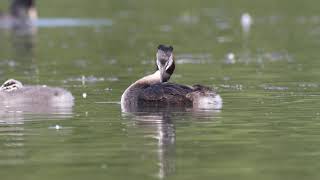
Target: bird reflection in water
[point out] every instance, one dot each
(159, 124)
(15, 129)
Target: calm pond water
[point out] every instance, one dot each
(268, 76)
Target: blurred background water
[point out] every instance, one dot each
(261, 56)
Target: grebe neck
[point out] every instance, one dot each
(132, 91)
(150, 79)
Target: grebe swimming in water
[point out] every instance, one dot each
(154, 90)
(14, 94)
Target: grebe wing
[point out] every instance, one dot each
(165, 92)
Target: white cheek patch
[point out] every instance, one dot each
(169, 63)
(159, 65)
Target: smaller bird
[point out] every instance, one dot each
(14, 94)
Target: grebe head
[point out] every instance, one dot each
(24, 9)
(11, 85)
(165, 62)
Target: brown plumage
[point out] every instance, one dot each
(165, 94)
(154, 90)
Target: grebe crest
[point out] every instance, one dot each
(165, 62)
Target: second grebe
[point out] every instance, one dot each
(14, 94)
(154, 90)
(23, 9)
(22, 17)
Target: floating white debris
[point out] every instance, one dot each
(83, 80)
(108, 89)
(246, 22)
(56, 127)
(90, 79)
(84, 95)
(230, 58)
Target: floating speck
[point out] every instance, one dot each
(108, 89)
(89, 79)
(230, 58)
(83, 80)
(246, 22)
(56, 127)
(84, 95)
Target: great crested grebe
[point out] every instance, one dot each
(154, 90)
(14, 94)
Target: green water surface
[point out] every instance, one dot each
(268, 129)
